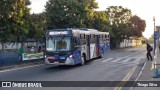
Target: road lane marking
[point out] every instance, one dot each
(126, 78)
(141, 72)
(109, 59)
(117, 59)
(19, 68)
(128, 59)
(125, 61)
(139, 75)
(129, 74)
(136, 60)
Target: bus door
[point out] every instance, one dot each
(97, 45)
(88, 47)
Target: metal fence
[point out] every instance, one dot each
(11, 58)
(8, 58)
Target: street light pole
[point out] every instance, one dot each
(154, 36)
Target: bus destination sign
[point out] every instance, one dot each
(58, 33)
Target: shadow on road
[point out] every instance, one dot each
(67, 67)
(62, 67)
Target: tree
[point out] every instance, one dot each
(137, 26)
(70, 13)
(5, 18)
(101, 21)
(37, 26)
(119, 18)
(62, 13)
(14, 24)
(89, 15)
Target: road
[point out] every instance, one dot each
(116, 66)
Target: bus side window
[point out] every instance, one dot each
(78, 40)
(76, 43)
(105, 36)
(108, 37)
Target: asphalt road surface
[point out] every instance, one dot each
(118, 65)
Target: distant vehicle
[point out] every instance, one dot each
(75, 46)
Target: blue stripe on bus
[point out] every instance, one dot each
(77, 56)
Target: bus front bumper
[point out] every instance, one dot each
(69, 61)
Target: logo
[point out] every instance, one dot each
(25, 55)
(6, 84)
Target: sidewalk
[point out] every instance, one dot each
(148, 73)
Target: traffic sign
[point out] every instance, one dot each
(156, 35)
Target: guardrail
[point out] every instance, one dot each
(11, 58)
(8, 58)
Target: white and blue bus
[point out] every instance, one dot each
(75, 46)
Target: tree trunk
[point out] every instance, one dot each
(37, 45)
(22, 45)
(17, 46)
(117, 45)
(3, 46)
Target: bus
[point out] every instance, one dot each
(75, 46)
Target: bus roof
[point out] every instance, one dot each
(81, 31)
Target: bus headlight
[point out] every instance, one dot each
(70, 56)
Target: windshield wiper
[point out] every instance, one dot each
(62, 38)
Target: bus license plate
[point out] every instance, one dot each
(62, 57)
(56, 62)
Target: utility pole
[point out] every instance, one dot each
(158, 38)
(154, 37)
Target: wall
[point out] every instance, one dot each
(130, 43)
(16, 46)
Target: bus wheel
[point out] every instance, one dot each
(83, 58)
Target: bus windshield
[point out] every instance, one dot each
(60, 43)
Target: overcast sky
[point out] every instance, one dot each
(145, 9)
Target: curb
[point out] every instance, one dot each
(24, 64)
(126, 78)
(141, 71)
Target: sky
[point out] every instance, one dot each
(145, 9)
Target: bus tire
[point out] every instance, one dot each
(83, 58)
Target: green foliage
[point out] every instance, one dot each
(13, 20)
(124, 24)
(62, 13)
(17, 24)
(5, 17)
(137, 26)
(119, 18)
(75, 14)
(101, 21)
(70, 13)
(88, 15)
(37, 26)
